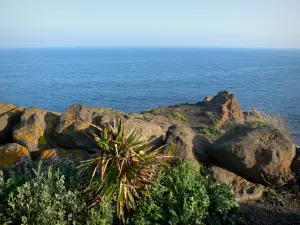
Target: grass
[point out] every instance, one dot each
(270, 121)
(179, 116)
(211, 131)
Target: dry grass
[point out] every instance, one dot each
(273, 121)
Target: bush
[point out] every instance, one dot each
(181, 195)
(45, 199)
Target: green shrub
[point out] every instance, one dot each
(223, 207)
(179, 116)
(47, 198)
(181, 195)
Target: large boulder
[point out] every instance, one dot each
(74, 128)
(262, 155)
(225, 105)
(36, 129)
(12, 153)
(74, 155)
(77, 122)
(5, 107)
(148, 131)
(9, 117)
(245, 190)
(186, 144)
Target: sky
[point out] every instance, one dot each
(178, 23)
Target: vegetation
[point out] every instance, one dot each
(181, 195)
(211, 131)
(50, 195)
(46, 196)
(179, 116)
(272, 121)
(123, 183)
(124, 167)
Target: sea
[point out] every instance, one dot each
(138, 79)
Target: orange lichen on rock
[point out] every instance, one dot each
(55, 153)
(12, 153)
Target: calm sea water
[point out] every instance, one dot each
(136, 79)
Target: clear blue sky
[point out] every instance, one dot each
(216, 23)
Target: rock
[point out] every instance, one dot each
(8, 120)
(148, 131)
(261, 155)
(185, 144)
(245, 190)
(225, 105)
(74, 129)
(252, 114)
(12, 153)
(207, 99)
(60, 153)
(5, 107)
(296, 163)
(36, 129)
(75, 125)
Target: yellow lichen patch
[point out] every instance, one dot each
(11, 154)
(42, 140)
(49, 154)
(61, 153)
(285, 166)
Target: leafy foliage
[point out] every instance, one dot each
(45, 199)
(124, 167)
(181, 195)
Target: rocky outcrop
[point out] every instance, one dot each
(36, 129)
(59, 153)
(245, 190)
(261, 155)
(10, 116)
(225, 105)
(12, 153)
(185, 144)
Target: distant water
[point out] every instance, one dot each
(136, 79)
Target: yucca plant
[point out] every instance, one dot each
(124, 167)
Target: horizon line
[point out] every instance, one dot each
(141, 46)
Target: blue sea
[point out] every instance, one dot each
(137, 79)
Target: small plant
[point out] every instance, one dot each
(124, 167)
(273, 197)
(179, 116)
(211, 131)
